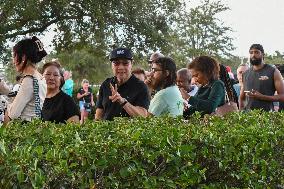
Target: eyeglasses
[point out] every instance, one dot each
(117, 63)
(155, 70)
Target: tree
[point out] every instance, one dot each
(90, 29)
(198, 31)
(84, 64)
(141, 24)
(274, 59)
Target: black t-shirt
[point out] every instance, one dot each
(59, 108)
(134, 90)
(87, 98)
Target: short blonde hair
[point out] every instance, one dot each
(84, 81)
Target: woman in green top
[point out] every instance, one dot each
(211, 92)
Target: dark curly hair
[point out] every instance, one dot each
(206, 65)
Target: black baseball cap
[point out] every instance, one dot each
(121, 53)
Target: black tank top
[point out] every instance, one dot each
(263, 81)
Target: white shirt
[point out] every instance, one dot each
(23, 106)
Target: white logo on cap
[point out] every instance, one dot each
(120, 52)
(39, 45)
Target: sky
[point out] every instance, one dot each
(253, 21)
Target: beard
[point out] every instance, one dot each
(256, 62)
(157, 83)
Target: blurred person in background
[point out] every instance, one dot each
(68, 85)
(184, 84)
(86, 100)
(4, 90)
(139, 73)
(229, 71)
(241, 69)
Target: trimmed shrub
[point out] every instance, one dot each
(242, 150)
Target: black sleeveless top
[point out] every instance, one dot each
(263, 81)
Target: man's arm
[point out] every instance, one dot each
(99, 114)
(134, 110)
(129, 108)
(279, 85)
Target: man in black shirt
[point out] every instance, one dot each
(122, 95)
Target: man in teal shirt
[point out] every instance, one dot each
(168, 99)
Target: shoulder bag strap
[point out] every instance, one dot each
(37, 99)
(36, 95)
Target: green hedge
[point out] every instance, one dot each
(239, 151)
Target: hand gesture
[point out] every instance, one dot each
(115, 96)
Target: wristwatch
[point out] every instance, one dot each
(124, 102)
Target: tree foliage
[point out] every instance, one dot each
(276, 58)
(84, 64)
(199, 31)
(95, 27)
(141, 24)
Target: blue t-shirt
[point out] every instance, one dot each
(167, 101)
(68, 87)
